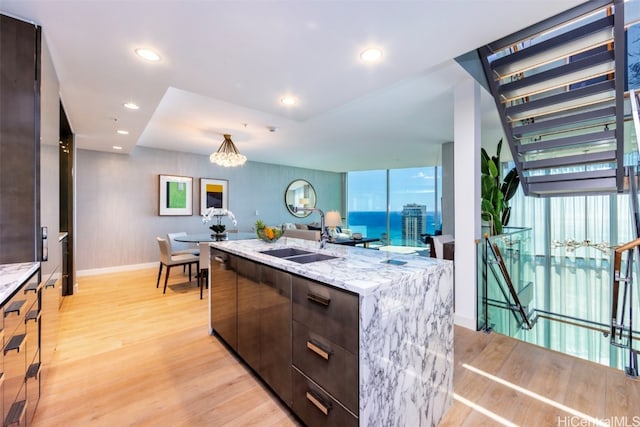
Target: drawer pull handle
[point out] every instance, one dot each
(318, 298)
(14, 307)
(317, 349)
(318, 403)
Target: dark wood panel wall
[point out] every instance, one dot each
(19, 141)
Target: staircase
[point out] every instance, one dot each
(559, 89)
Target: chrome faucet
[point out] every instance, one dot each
(324, 234)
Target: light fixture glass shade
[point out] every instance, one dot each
(228, 155)
(332, 219)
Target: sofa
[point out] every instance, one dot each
(310, 231)
(302, 234)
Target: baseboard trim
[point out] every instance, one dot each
(465, 322)
(116, 269)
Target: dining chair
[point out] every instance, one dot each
(168, 260)
(179, 248)
(438, 244)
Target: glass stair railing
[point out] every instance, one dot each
(506, 293)
(514, 300)
(622, 305)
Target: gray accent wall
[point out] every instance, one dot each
(117, 197)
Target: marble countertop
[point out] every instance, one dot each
(13, 276)
(360, 270)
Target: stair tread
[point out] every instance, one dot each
(571, 95)
(559, 40)
(567, 120)
(569, 68)
(572, 176)
(572, 160)
(574, 140)
(574, 187)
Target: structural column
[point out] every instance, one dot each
(466, 135)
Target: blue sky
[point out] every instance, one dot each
(367, 189)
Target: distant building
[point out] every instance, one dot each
(414, 222)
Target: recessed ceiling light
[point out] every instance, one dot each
(131, 106)
(123, 132)
(117, 147)
(288, 100)
(147, 54)
(371, 54)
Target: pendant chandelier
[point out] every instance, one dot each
(228, 155)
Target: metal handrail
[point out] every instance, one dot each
(517, 305)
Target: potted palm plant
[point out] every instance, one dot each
(496, 192)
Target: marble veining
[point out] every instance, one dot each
(406, 351)
(406, 326)
(356, 269)
(12, 276)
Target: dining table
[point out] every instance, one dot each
(208, 237)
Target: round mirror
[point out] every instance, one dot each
(300, 194)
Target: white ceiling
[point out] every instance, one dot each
(226, 64)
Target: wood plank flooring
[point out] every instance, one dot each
(128, 355)
(501, 381)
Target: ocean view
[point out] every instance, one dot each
(373, 224)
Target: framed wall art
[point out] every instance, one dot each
(214, 193)
(176, 195)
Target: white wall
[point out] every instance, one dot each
(49, 161)
(467, 199)
(117, 201)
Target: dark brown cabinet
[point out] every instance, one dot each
(275, 330)
(300, 336)
(248, 311)
(19, 141)
(325, 354)
(21, 316)
(224, 297)
(261, 320)
(315, 407)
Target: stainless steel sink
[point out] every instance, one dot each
(313, 257)
(286, 252)
(298, 255)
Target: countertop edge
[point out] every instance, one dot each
(357, 270)
(12, 276)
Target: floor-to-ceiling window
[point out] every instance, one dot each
(398, 206)
(573, 240)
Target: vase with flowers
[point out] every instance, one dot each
(218, 229)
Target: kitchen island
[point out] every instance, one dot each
(361, 338)
(21, 359)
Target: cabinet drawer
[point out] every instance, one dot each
(14, 372)
(31, 292)
(32, 323)
(13, 313)
(317, 408)
(326, 363)
(331, 312)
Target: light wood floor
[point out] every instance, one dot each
(129, 355)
